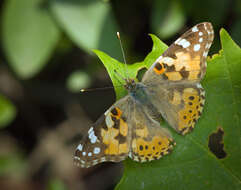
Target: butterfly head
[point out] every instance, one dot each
(130, 85)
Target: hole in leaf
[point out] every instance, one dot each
(140, 73)
(216, 145)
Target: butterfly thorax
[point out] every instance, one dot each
(136, 90)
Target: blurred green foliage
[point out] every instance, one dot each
(167, 23)
(77, 81)
(29, 36)
(56, 184)
(7, 111)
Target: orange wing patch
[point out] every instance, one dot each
(184, 60)
(193, 106)
(144, 150)
(159, 68)
(183, 66)
(173, 76)
(114, 136)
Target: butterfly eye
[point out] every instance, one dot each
(159, 68)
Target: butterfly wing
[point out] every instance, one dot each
(185, 59)
(125, 129)
(108, 139)
(149, 141)
(173, 80)
(180, 105)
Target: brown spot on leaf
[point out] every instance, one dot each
(215, 143)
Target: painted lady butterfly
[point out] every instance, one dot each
(170, 88)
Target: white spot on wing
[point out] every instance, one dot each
(109, 121)
(158, 59)
(196, 47)
(103, 159)
(130, 155)
(199, 85)
(89, 154)
(200, 40)
(95, 162)
(83, 153)
(90, 130)
(92, 136)
(183, 42)
(80, 147)
(76, 158)
(195, 29)
(177, 41)
(205, 54)
(200, 33)
(96, 150)
(168, 60)
(205, 26)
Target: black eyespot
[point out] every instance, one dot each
(191, 97)
(184, 117)
(114, 111)
(141, 147)
(146, 147)
(158, 66)
(190, 103)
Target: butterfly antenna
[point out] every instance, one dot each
(123, 54)
(94, 89)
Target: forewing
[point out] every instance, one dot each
(185, 59)
(173, 81)
(108, 139)
(149, 141)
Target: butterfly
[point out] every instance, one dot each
(170, 88)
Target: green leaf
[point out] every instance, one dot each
(194, 164)
(90, 24)
(113, 65)
(29, 36)
(167, 23)
(7, 112)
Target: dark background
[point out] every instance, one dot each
(50, 114)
